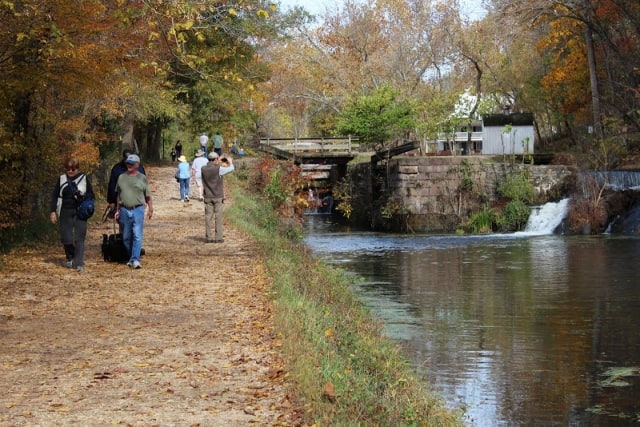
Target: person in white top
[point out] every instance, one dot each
(196, 167)
(204, 142)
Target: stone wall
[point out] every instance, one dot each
(440, 193)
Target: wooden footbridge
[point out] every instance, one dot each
(307, 150)
(317, 156)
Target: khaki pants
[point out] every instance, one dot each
(213, 213)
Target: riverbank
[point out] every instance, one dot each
(345, 371)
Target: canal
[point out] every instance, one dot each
(520, 329)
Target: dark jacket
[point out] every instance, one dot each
(69, 202)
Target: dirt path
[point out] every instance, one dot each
(187, 340)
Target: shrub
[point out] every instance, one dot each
(483, 221)
(514, 216)
(518, 187)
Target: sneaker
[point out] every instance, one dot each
(220, 241)
(69, 264)
(186, 198)
(130, 264)
(136, 264)
(80, 268)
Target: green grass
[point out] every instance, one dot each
(346, 373)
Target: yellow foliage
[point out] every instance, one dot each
(88, 155)
(567, 81)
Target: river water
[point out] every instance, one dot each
(518, 330)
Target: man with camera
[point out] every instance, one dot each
(212, 183)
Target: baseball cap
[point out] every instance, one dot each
(133, 158)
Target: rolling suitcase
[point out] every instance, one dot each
(113, 249)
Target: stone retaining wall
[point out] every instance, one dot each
(439, 193)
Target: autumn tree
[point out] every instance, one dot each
(326, 63)
(76, 76)
(215, 64)
(591, 51)
(57, 69)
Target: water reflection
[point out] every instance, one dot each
(518, 330)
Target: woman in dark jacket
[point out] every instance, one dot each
(69, 190)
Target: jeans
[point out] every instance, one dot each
(132, 221)
(184, 188)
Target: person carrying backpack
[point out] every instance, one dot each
(70, 190)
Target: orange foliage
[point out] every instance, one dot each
(567, 82)
(281, 183)
(88, 155)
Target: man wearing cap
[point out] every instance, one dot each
(117, 170)
(212, 175)
(133, 192)
(196, 168)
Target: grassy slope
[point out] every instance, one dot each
(346, 372)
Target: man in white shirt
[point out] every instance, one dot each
(196, 167)
(204, 142)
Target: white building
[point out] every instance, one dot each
(494, 134)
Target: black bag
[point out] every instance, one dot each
(85, 207)
(113, 249)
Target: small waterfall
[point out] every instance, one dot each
(617, 180)
(546, 218)
(320, 206)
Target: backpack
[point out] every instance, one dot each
(86, 207)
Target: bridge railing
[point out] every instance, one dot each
(316, 145)
(460, 136)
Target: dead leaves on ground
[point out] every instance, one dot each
(186, 340)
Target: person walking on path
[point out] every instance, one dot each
(204, 142)
(196, 166)
(212, 182)
(184, 177)
(178, 148)
(133, 192)
(217, 143)
(117, 170)
(69, 190)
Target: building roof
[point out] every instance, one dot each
(514, 119)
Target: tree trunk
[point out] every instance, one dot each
(593, 77)
(127, 137)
